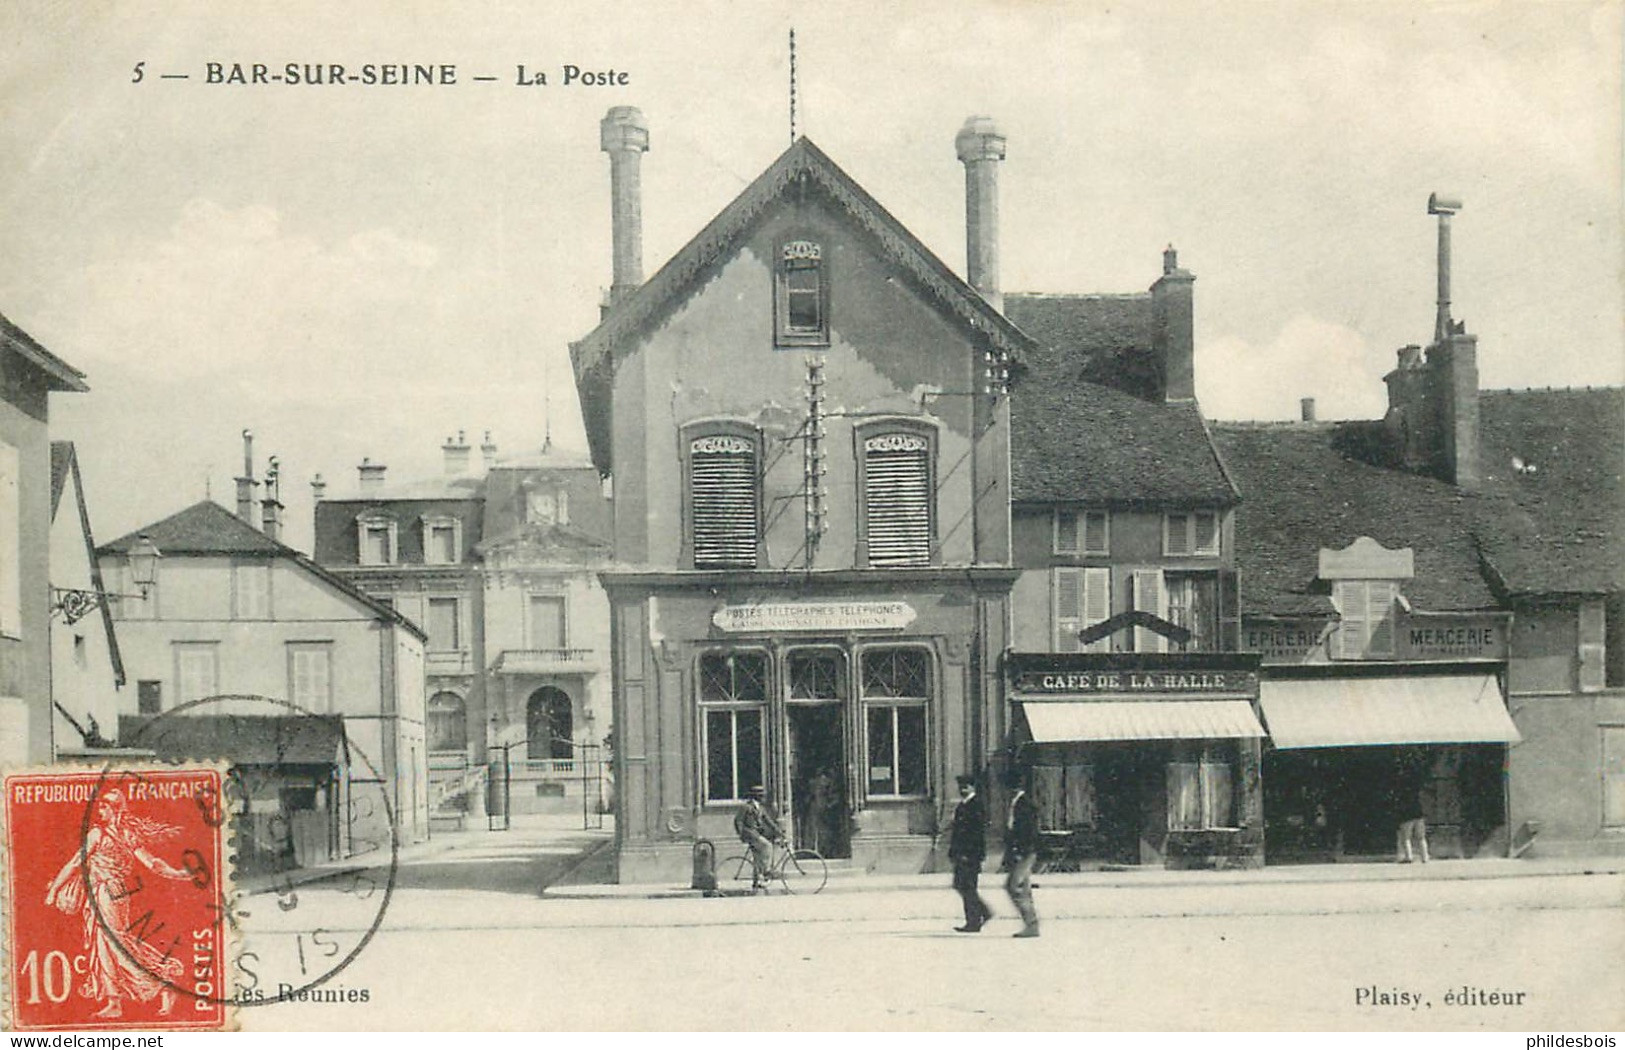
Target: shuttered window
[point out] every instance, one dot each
(723, 501)
(1150, 596)
(1366, 628)
(897, 499)
(310, 676)
(1193, 533)
(1082, 532)
(1083, 598)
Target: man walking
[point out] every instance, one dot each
(1021, 852)
(757, 829)
(967, 848)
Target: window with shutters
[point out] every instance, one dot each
(310, 676)
(733, 702)
(1149, 595)
(801, 296)
(1365, 608)
(1083, 598)
(1082, 532)
(1190, 533)
(724, 498)
(1193, 603)
(896, 699)
(197, 671)
(251, 590)
(1201, 787)
(897, 516)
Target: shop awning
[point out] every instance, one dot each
(1060, 721)
(1354, 712)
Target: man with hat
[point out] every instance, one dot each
(967, 848)
(756, 827)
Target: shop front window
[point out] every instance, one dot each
(897, 694)
(1201, 789)
(733, 699)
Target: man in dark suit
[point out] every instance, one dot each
(967, 848)
(1021, 851)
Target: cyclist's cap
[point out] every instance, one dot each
(758, 792)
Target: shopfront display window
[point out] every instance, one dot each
(896, 694)
(1201, 788)
(733, 699)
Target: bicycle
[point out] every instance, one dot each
(796, 870)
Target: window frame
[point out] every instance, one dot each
(178, 649)
(720, 430)
(869, 705)
(1205, 756)
(240, 567)
(906, 428)
(429, 722)
(1359, 625)
(1213, 619)
(323, 704)
(460, 640)
(1067, 627)
(732, 705)
(800, 257)
(1189, 530)
(429, 524)
(367, 523)
(1080, 531)
(551, 597)
(1611, 821)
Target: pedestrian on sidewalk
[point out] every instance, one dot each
(967, 848)
(1021, 851)
(1412, 836)
(758, 829)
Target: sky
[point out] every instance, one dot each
(364, 270)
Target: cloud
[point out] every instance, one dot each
(1309, 357)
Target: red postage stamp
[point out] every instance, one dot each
(116, 891)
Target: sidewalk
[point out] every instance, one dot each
(842, 881)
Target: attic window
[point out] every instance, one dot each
(801, 296)
(376, 540)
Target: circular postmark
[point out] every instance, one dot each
(297, 791)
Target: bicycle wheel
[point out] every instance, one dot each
(804, 871)
(734, 874)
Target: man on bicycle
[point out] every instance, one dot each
(758, 829)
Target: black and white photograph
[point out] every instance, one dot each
(1014, 515)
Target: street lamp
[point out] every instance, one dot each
(74, 605)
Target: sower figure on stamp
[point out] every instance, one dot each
(758, 829)
(131, 969)
(1021, 851)
(967, 848)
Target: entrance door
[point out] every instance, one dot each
(817, 788)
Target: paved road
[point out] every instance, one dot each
(467, 943)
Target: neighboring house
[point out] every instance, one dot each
(500, 568)
(804, 414)
(1139, 725)
(339, 739)
(87, 671)
(29, 373)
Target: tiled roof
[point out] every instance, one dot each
(506, 489)
(1305, 486)
(337, 543)
(1553, 518)
(60, 374)
(292, 739)
(803, 165)
(1072, 438)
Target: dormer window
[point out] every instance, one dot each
(376, 540)
(1365, 578)
(801, 296)
(442, 540)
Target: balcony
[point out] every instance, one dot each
(547, 661)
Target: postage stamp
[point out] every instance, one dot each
(116, 894)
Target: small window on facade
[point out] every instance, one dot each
(802, 296)
(376, 540)
(724, 501)
(733, 700)
(1193, 603)
(897, 498)
(1083, 598)
(251, 590)
(1082, 532)
(1201, 788)
(1366, 618)
(546, 621)
(197, 671)
(149, 697)
(1191, 533)
(310, 675)
(442, 545)
(445, 628)
(896, 696)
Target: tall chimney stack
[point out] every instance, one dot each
(488, 452)
(981, 147)
(371, 475)
(457, 456)
(271, 508)
(1443, 207)
(246, 483)
(624, 135)
(1174, 338)
(1306, 409)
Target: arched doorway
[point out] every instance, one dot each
(448, 723)
(549, 724)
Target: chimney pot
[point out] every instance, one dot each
(624, 135)
(1170, 259)
(980, 147)
(456, 455)
(246, 483)
(1306, 409)
(371, 475)
(318, 488)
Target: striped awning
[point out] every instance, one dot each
(1354, 712)
(1060, 721)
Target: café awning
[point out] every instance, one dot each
(1062, 721)
(1373, 711)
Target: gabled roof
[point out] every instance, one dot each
(802, 164)
(1553, 517)
(59, 375)
(206, 529)
(1305, 486)
(65, 466)
(1074, 439)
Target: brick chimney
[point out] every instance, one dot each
(271, 507)
(246, 483)
(1174, 337)
(624, 135)
(371, 475)
(488, 452)
(457, 453)
(981, 147)
(1306, 409)
(318, 489)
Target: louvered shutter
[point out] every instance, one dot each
(1095, 533)
(897, 499)
(722, 494)
(1380, 617)
(1097, 604)
(1066, 532)
(1149, 597)
(1068, 609)
(1354, 623)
